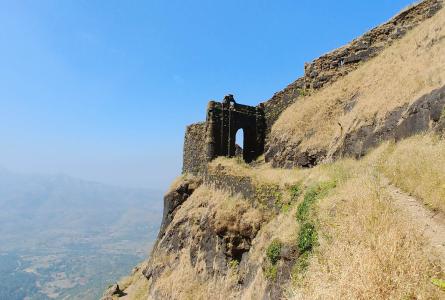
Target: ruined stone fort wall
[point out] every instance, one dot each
(194, 156)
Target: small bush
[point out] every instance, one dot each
(302, 262)
(271, 272)
(285, 208)
(439, 283)
(307, 238)
(303, 92)
(233, 264)
(273, 251)
(300, 266)
(315, 192)
(269, 193)
(304, 207)
(295, 191)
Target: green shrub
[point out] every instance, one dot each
(273, 251)
(233, 264)
(439, 283)
(271, 272)
(300, 266)
(285, 208)
(266, 194)
(315, 192)
(295, 191)
(307, 238)
(305, 206)
(303, 92)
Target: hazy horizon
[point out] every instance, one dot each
(9, 172)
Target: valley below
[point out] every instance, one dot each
(64, 238)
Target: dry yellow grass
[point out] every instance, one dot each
(411, 67)
(261, 173)
(221, 210)
(136, 285)
(368, 247)
(417, 166)
(368, 250)
(264, 174)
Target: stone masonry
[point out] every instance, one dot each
(217, 136)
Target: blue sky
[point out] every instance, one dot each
(102, 90)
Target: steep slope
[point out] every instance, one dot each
(371, 127)
(394, 95)
(431, 223)
(336, 231)
(340, 62)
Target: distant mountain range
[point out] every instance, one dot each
(65, 237)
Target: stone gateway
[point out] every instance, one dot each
(217, 136)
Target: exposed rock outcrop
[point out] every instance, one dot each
(177, 195)
(112, 292)
(424, 114)
(208, 237)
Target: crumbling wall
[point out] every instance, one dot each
(194, 157)
(217, 136)
(225, 119)
(258, 194)
(336, 64)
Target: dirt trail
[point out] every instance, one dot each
(431, 223)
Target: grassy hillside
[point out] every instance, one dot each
(352, 238)
(409, 68)
(417, 165)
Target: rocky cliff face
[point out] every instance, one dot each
(212, 242)
(422, 115)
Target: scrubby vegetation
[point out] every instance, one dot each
(273, 255)
(307, 238)
(438, 282)
(273, 251)
(314, 192)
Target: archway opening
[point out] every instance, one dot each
(239, 143)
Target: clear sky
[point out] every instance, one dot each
(102, 90)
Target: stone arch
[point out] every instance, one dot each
(225, 119)
(249, 143)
